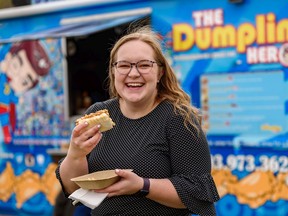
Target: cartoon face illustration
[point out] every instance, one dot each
(20, 73)
(23, 65)
(283, 54)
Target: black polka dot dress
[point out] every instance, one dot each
(157, 145)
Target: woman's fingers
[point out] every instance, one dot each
(129, 183)
(82, 131)
(94, 140)
(90, 133)
(84, 139)
(78, 130)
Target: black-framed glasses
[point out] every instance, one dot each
(143, 66)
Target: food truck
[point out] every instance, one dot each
(231, 57)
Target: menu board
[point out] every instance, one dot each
(251, 107)
(244, 103)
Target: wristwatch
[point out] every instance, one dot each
(145, 190)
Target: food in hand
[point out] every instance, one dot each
(100, 117)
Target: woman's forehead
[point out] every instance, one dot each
(135, 49)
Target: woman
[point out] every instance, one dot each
(157, 134)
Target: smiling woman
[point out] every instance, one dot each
(157, 133)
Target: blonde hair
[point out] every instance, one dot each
(168, 86)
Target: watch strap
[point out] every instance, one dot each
(145, 190)
(146, 185)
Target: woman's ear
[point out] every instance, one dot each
(160, 74)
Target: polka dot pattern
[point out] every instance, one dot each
(157, 145)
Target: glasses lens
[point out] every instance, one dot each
(123, 67)
(144, 66)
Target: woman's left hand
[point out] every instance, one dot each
(129, 183)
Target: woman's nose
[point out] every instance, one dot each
(134, 71)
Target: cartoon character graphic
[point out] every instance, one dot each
(283, 54)
(20, 70)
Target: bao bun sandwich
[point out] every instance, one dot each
(100, 117)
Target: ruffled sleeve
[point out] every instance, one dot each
(191, 167)
(198, 193)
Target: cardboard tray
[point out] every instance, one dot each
(97, 180)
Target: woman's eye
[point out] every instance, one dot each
(124, 66)
(144, 66)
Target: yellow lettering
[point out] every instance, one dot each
(183, 37)
(282, 31)
(224, 36)
(266, 30)
(271, 29)
(203, 37)
(246, 35)
(260, 26)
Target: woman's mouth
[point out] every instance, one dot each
(134, 85)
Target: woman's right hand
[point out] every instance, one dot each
(83, 140)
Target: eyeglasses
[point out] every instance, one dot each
(124, 67)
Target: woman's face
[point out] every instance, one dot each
(135, 87)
